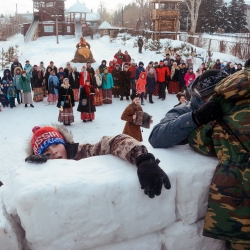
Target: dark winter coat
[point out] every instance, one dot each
(11, 92)
(37, 79)
(13, 66)
(101, 68)
(175, 76)
(89, 107)
(150, 85)
(130, 128)
(181, 75)
(138, 71)
(140, 42)
(230, 71)
(126, 58)
(74, 80)
(116, 76)
(217, 66)
(8, 78)
(65, 97)
(124, 83)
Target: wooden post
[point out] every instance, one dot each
(57, 30)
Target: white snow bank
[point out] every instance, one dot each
(189, 237)
(193, 179)
(83, 204)
(8, 237)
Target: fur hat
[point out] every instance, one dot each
(16, 69)
(133, 96)
(45, 136)
(206, 82)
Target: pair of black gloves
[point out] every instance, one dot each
(207, 112)
(150, 175)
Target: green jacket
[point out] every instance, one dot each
(228, 213)
(25, 84)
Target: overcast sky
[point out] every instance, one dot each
(9, 6)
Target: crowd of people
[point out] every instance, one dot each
(93, 87)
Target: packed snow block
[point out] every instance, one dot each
(194, 175)
(8, 237)
(181, 236)
(146, 242)
(77, 205)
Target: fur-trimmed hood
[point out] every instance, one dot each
(67, 136)
(17, 68)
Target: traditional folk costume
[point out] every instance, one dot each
(74, 78)
(53, 86)
(86, 103)
(116, 77)
(37, 83)
(107, 85)
(98, 98)
(65, 103)
(83, 53)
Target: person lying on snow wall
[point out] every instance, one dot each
(55, 142)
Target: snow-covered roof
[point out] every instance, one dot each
(105, 25)
(78, 8)
(92, 16)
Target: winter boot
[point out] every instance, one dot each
(150, 98)
(121, 99)
(142, 103)
(31, 105)
(26, 105)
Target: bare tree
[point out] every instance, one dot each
(193, 8)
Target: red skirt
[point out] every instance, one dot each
(98, 98)
(52, 98)
(173, 87)
(156, 89)
(76, 94)
(107, 96)
(87, 116)
(66, 116)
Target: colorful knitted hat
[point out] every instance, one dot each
(45, 137)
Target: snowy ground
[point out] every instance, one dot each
(173, 220)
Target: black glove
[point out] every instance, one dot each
(207, 112)
(38, 159)
(150, 175)
(1, 183)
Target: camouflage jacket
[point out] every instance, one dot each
(228, 214)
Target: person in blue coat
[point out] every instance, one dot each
(139, 70)
(180, 121)
(53, 86)
(107, 85)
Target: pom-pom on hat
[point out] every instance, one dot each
(45, 137)
(133, 96)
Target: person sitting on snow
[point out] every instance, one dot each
(56, 142)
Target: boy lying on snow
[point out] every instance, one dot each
(55, 142)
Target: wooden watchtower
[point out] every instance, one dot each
(48, 10)
(165, 16)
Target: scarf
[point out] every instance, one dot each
(98, 79)
(87, 89)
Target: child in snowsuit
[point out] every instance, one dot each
(11, 94)
(140, 86)
(55, 142)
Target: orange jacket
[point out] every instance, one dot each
(141, 83)
(162, 73)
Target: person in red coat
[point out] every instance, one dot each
(162, 74)
(111, 66)
(132, 68)
(119, 56)
(84, 75)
